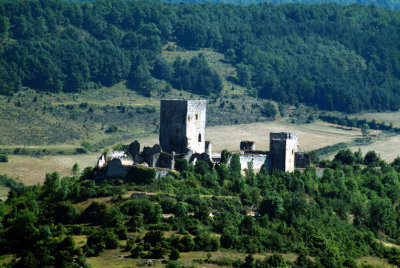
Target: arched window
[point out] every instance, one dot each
(199, 137)
(197, 116)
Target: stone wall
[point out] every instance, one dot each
(173, 125)
(196, 125)
(248, 145)
(283, 147)
(302, 160)
(182, 125)
(116, 169)
(258, 160)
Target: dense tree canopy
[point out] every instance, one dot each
(335, 218)
(336, 57)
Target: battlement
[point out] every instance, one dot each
(248, 145)
(283, 135)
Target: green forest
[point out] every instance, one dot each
(327, 221)
(328, 56)
(384, 3)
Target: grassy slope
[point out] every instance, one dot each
(388, 117)
(111, 258)
(3, 192)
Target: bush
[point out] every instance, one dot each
(111, 129)
(87, 145)
(3, 158)
(174, 254)
(100, 240)
(269, 110)
(141, 175)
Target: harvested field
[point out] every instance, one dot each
(32, 170)
(393, 117)
(311, 136)
(388, 148)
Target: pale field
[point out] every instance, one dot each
(311, 136)
(32, 170)
(387, 147)
(3, 192)
(393, 117)
(112, 258)
(375, 262)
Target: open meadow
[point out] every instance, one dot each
(388, 117)
(388, 148)
(118, 258)
(311, 136)
(3, 192)
(113, 258)
(32, 170)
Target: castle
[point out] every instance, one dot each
(182, 135)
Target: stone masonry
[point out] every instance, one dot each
(283, 147)
(183, 125)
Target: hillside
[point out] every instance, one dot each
(386, 3)
(329, 56)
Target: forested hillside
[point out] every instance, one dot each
(385, 3)
(330, 56)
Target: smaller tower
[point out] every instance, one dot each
(283, 147)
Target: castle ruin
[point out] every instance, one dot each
(182, 135)
(183, 126)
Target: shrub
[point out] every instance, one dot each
(174, 254)
(3, 158)
(141, 175)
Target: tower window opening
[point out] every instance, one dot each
(197, 116)
(199, 137)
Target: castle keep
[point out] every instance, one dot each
(183, 126)
(182, 135)
(283, 147)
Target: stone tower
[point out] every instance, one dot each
(183, 125)
(283, 147)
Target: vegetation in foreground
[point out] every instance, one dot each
(349, 212)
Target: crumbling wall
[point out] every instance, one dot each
(258, 161)
(247, 146)
(302, 160)
(165, 160)
(116, 169)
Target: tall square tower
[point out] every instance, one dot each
(283, 147)
(183, 125)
